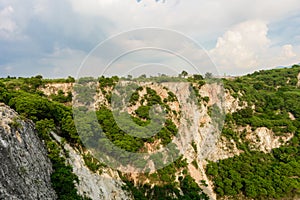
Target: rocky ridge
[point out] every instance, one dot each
(195, 127)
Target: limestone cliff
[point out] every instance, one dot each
(196, 128)
(24, 168)
(106, 186)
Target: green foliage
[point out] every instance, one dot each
(208, 75)
(165, 185)
(38, 108)
(32, 106)
(106, 85)
(255, 174)
(146, 192)
(68, 129)
(184, 73)
(167, 132)
(92, 163)
(142, 118)
(108, 82)
(115, 134)
(191, 190)
(258, 175)
(61, 97)
(26, 84)
(274, 94)
(194, 162)
(85, 80)
(143, 112)
(84, 93)
(159, 79)
(194, 146)
(70, 79)
(34, 82)
(62, 178)
(4, 94)
(198, 77)
(127, 142)
(134, 97)
(44, 126)
(152, 97)
(206, 99)
(171, 97)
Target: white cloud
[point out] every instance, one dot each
(285, 55)
(7, 25)
(194, 17)
(287, 51)
(80, 24)
(241, 46)
(246, 47)
(145, 46)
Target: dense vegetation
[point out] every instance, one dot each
(272, 100)
(275, 97)
(48, 116)
(258, 175)
(166, 186)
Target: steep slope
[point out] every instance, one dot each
(106, 185)
(25, 168)
(198, 133)
(254, 156)
(265, 133)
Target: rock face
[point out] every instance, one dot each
(197, 126)
(265, 140)
(24, 166)
(53, 88)
(232, 104)
(106, 186)
(198, 138)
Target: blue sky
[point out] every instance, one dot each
(53, 37)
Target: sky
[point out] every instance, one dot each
(55, 38)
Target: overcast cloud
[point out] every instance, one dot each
(53, 37)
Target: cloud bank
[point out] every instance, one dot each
(53, 37)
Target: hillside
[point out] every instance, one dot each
(238, 138)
